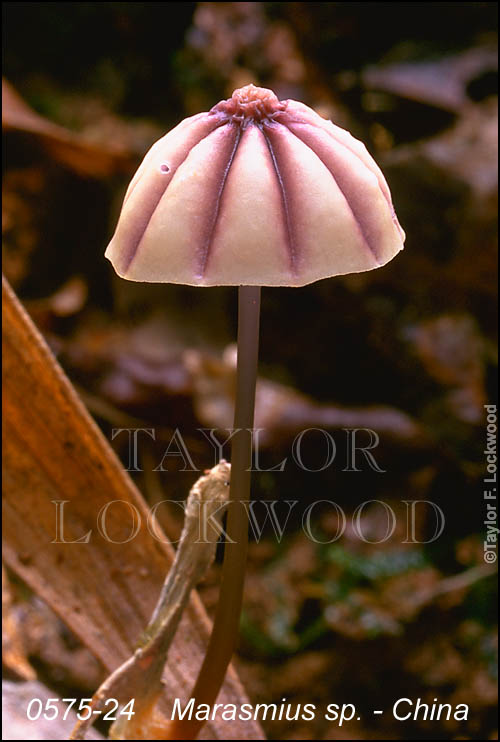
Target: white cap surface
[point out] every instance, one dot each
(255, 192)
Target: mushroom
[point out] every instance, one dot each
(255, 192)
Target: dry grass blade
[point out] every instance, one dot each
(104, 591)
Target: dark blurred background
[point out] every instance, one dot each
(408, 350)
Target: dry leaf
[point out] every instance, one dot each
(66, 146)
(16, 725)
(441, 83)
(13, 649)
(103, 591)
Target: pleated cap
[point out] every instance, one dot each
(256, 191)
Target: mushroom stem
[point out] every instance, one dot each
(226, 624)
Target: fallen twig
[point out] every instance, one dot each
(140, 676)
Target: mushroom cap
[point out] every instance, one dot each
(256, 192)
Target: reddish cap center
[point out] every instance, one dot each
(250, 104)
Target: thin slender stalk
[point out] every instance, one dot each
(226, 624)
